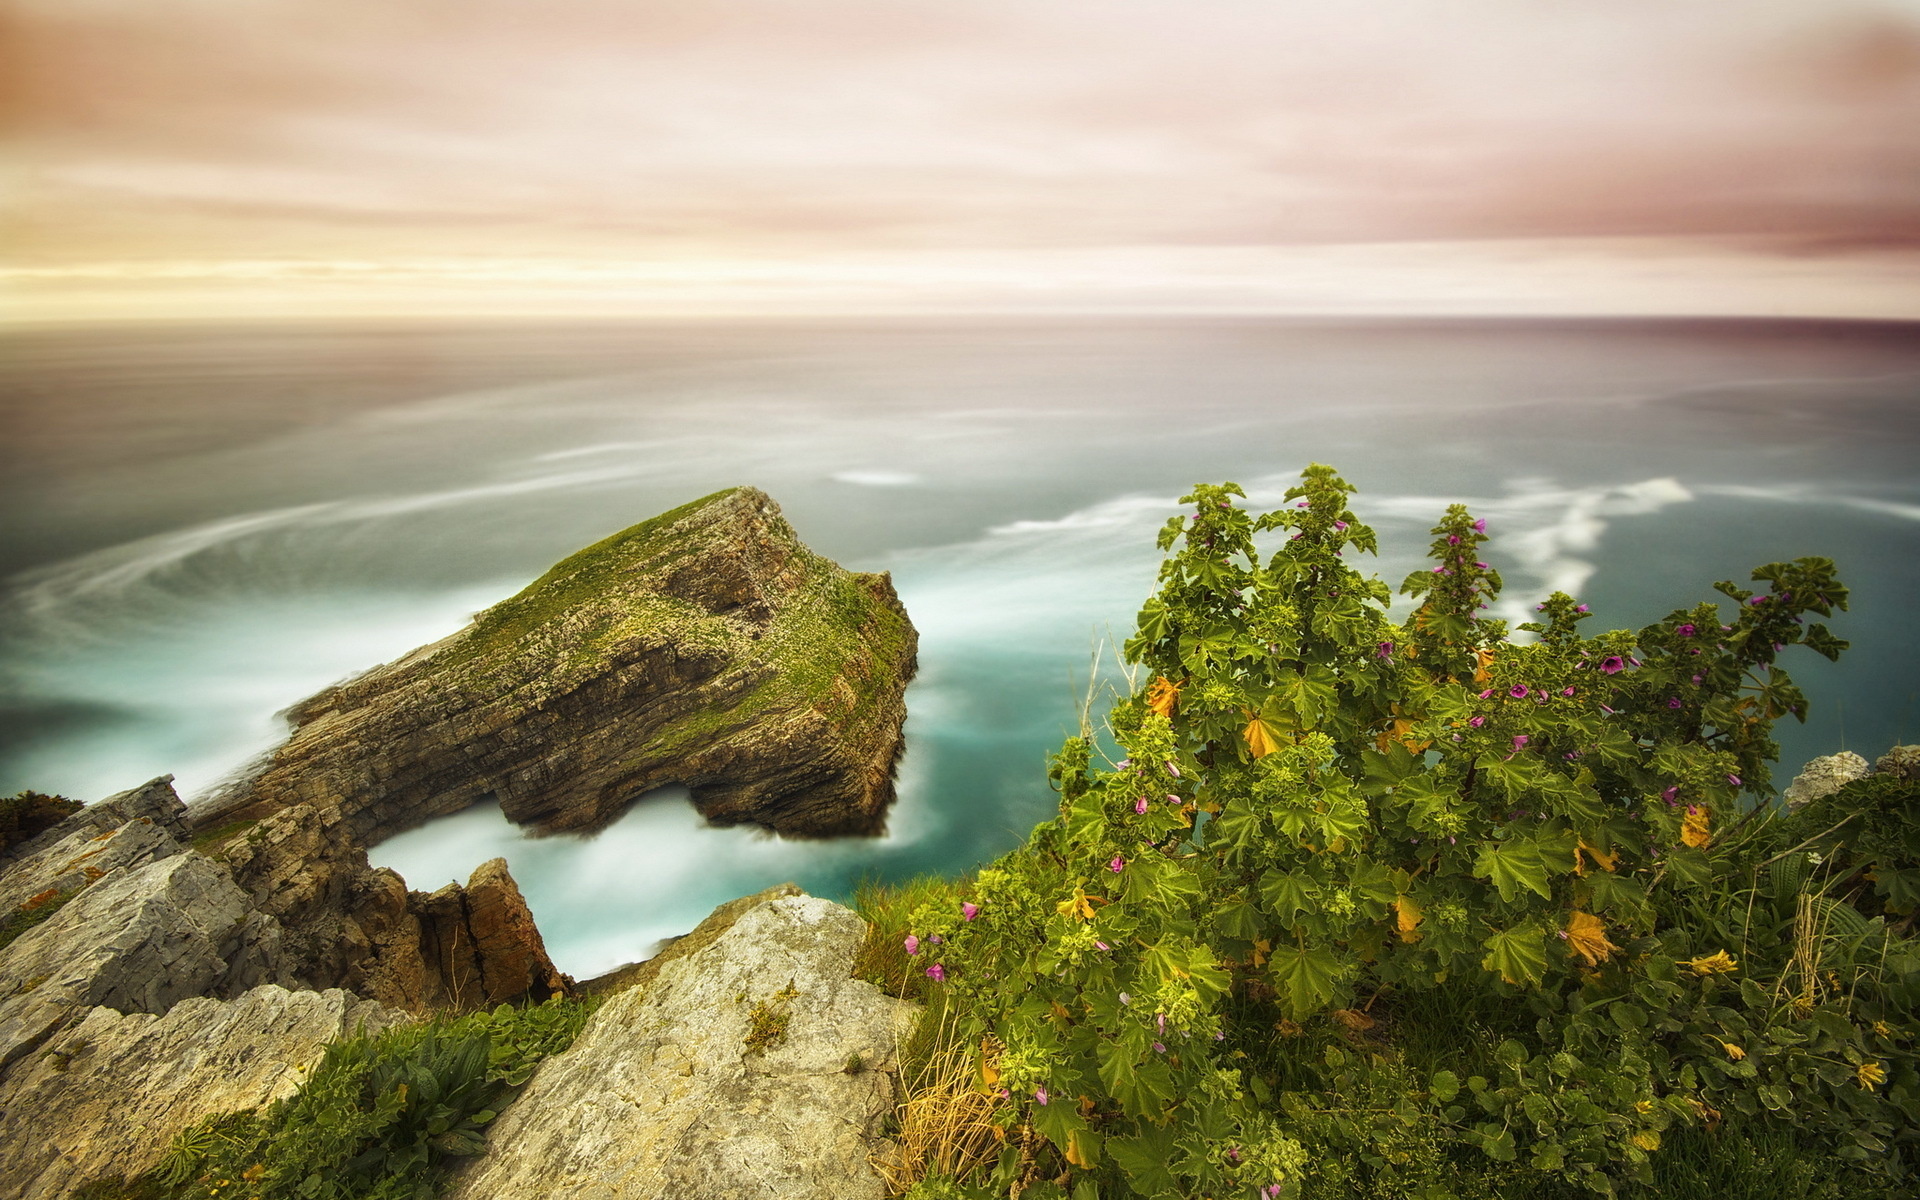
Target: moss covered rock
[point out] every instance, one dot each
(706, 647)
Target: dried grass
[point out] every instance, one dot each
(946, 1115)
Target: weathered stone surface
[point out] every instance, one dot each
(661, 1096)
(104, 1098)
(351, 925)
(1823, 777)
(153, 802)
(136, 941)
(717, 922)
(706, 647)
(83, 857)
(481, 944)
(1901, 761)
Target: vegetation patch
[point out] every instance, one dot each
(1350, 907)
(33, 912)
(213, 842)
(382, 1117)
(768, 1020)
(26, 815)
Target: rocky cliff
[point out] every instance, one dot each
(706, 647)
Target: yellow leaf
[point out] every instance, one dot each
(1587, 936)
(1162, 696)
(1646, 1139)
(1482, 660)
(1407, 916)
(1354, 1019)
(1081, 1150)
(1601, 858)
(1695, 830)
(1261, 949)
(1259, 738)
(1075, 905)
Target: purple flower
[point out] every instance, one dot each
(1606, 710)
(1581, 608)
(1125, 762)
(1757, 600)
(1518, 691)
(1102, 945)
(1040, 1095)
(1159, 1048)
(1487, 695)
(1173, 770)
(1441, 571)
(937, 972)
(935, 940)
(1160, 1020)
(1686, 631)
(1697, 678)
(1480, 526)
(1566, 691)
(1613, 664)
(1519, 740)
(1453, 539)
(1477, 722)
(969, 910)
(1385, 651)
(1671, 796)
(1140, 805)
(1451, 839)
(1117, 865)
(1339, 524)
(1302, 504)
(1734, 780)
(1481, 565)
(1673, 702)
(912, 944)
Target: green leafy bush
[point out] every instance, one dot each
(382, 1117)
(1330, 831)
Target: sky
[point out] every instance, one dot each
(231, 159)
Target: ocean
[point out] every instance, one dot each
(205, 525)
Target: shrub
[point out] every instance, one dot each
(1328, 827)
(25, 815)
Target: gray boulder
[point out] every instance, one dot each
(752, 1068)
(105, 1098)
(1823, 777)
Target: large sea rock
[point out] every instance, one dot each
(706, 647)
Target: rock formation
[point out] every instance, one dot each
(1823, 777)
(705, 647)
(107, 1096)
(754, 1067)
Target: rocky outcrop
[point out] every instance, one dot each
(352, 925)
(1823, 777)
(104, 1098)
(706, 647)
(137, 941)
(754, 1067)
(1902, 762)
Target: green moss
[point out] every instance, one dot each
(33, 912)
(212, 841)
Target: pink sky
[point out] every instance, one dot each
(285, 157)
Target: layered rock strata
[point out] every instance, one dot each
(706, 647)
(752, 1068)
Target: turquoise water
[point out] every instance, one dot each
(207, 525)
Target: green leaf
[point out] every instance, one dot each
(1287, 892)
(1446, 1085)
(1305, 976)
(1513, 866)
(1517, 955)
(1144, 1159)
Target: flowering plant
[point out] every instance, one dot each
(1321, 814)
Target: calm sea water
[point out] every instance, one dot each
(206, 525)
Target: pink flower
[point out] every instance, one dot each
(1339, 524)
(1734, 780)
(1385, 651)
(1487, 695)
(1117, 865)
(1613, 664)
(969, 910)
(1566, 691)
(1140, 805)
(1125, 999)
(1477, 722)
(1102, 945)
(1671, 796)
(1519, 740)
(1172, 799)
(1159, 1048)
(1040, 1095)
(1581, 608)
(1173, 770)
(912, 944)
(1686, 631)
(937, 972)
(1518, 691)
(1673, 702)
(1480, 526)
(1302, 504)
(1481, 565)
(1453, 539)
